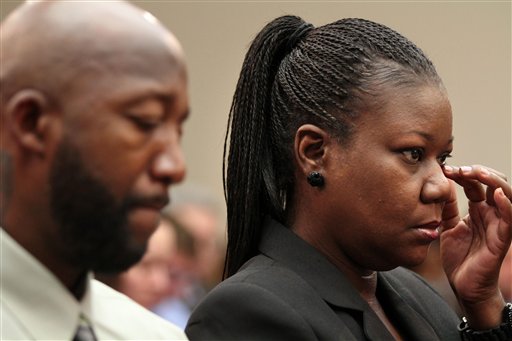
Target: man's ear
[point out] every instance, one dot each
(310, 146)
(28, 119)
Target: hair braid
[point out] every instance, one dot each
(249, 185)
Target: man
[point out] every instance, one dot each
(93, 98)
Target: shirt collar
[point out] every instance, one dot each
(36, 297)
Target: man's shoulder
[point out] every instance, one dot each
(117, 316)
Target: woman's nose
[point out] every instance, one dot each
(436, 188)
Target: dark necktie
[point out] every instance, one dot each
(84, 331)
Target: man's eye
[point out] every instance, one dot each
(413, 155)
(144, 124)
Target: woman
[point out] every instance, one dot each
(336, 178)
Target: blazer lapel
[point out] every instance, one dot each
(415, 326)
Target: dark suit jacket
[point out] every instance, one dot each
(292, 292)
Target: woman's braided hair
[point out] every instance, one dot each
(295, 74)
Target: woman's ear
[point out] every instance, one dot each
(27, 114)
(310, 147)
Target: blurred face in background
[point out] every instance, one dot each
(149, 281)
(203, 225)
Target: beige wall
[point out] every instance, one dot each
(470, 43)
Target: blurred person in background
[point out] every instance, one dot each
(197, 265)
(184, 277)
(196, 210)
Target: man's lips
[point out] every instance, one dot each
(155, 202)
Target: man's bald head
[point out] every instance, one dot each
(52, 46)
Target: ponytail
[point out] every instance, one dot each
(249, 176)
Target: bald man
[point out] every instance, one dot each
(93, 99)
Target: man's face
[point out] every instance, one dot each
(119, 154)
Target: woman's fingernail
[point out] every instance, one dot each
(448, 168)
(500, 192)
(465, 169)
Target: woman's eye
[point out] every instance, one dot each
(442, 159)
(413, 155)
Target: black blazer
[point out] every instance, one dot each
(292, 292)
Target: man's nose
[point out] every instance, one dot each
(169, 164)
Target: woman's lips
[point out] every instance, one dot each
(429, 231)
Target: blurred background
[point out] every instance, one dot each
(469, 42)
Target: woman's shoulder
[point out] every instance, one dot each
(260, 300)
(263, 276)
(268, 300)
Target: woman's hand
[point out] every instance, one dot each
(473, 247)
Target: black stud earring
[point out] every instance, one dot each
(315, 179)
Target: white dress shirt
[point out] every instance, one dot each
(35, 305)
